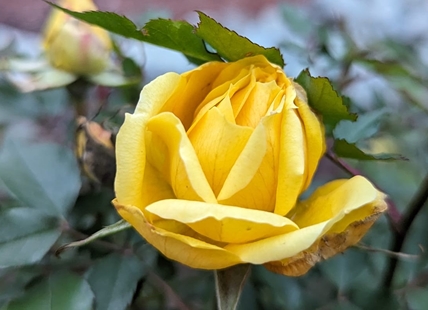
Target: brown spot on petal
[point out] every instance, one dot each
(329, 245)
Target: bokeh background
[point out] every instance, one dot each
(375, 52)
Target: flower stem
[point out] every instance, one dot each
(78, 92)
(229, 284)
(415, 205)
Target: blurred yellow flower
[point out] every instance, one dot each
(211, 165)
(75, 46)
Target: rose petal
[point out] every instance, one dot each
(341, 204)
(291, 170)
(130, 141)
(130, 161)
(257, 104)
(314, 132)
(194, 86)
(279, 247)
(239, 98)
(218, 143)
(252, 181)
(155, 187)
(340, 236)
(333, 198)
(223, 223)
(223, 93)
(186, 250)
(154, 95)
(185, 173)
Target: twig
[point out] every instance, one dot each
(397, 255)
(415, 205)
(394, 215)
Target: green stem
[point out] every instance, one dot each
(229, 284)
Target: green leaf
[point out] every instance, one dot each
(13, 282)
(324, 99)
(368, 298)
(347, 270)
(175, 35)
(26, 235)
(364, 127)
(111, 229)
(112, 22)
(417, 298)
(179, 36)
(65, 291)
(231, 46)
(342, 148)
(44, 176)
(114, 279)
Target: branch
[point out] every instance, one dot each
(415, 205)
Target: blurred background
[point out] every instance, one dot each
(375, 52)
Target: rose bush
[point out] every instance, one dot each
(211, 165)
(75, 46)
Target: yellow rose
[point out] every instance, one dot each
(212, 162)
(75, 46)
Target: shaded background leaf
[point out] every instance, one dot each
(342, 148)
(114, 279)
(26, 235)
(65, 291)
(44, 176)
(364, 127)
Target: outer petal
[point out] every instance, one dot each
(218, 143)
(333, 198)
(325, 202)
(155, 95)
(223, 223)
(332, 242)
(186, 250)
(186, 176)
(314, 132)
(292, 158)
(279, 247)
(130, 161)
(130, 141)
(343, 209)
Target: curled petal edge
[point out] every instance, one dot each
(186, 250)
(328, 245)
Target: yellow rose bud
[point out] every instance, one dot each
(75, 46)
(211, 165)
